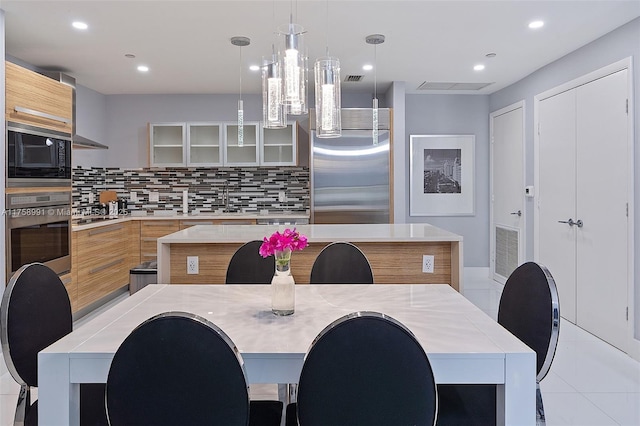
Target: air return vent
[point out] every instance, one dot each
(506, 251)
(353, 78)
(433, 85)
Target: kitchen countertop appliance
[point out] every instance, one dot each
(39, 230)
(349, 175)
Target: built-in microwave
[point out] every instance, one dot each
(37, 157)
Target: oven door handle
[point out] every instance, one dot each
(41, 114)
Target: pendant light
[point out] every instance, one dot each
(274, 115)
(294, 68)
(241, 42)
(328, 94)
(375, 39)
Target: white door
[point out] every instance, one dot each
(556, 195)
(507, 190)
(602, 191)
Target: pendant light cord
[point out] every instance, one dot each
(375, 71)
(240, 72)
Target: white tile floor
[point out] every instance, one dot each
(590, 382)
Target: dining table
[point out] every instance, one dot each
(464, 345)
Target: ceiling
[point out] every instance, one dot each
(186, 44)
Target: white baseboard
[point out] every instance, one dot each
(476, 272)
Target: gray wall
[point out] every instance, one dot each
(91, 111)
(454, 115)
(619, 44)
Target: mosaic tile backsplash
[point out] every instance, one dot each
(210, 190)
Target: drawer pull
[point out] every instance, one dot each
(159, 223)
(42, 114)
(197, 223)
(104, 229)
(148, 239)
(105, 266)
(154, 255)
(66, 281)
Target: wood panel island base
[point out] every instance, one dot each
(395, 251)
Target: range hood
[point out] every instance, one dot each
(77, 140)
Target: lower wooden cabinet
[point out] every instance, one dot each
(150, 231)
(72, 288)
(104, 256)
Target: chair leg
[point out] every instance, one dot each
(288, 393)
(24, 402)
(540, 420)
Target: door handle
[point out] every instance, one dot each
(570, 222)
(518, 213)
(579, 223)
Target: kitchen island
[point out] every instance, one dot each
(395, 251)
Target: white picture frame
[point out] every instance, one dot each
(441, 176)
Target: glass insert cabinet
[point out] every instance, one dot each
(196, 144)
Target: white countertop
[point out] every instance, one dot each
(314, 233)
(179, 216)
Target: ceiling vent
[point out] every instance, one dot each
(353, 78)
(427, 85)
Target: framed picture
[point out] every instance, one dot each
(442, 175)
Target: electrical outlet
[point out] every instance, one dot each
(281, 196)
(427, 263)
(154, 197)
(133, 197)
(192, 265)
(90, 198)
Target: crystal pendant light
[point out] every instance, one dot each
(273, 110)
(294, 67)
(328, 93)
(241, 42)
(375, 39)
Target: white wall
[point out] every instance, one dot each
(91, 112)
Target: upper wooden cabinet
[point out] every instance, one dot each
(37, 100)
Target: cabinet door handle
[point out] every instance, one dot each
(579, 223)
(105, 266)
(518, 213)
(42, 114)
(569, 222)
(104, 229)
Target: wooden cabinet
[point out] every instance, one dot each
(72, 289)
(103, 261)
(37, 100)
(192, 222)
(279, 146)
(150, 231)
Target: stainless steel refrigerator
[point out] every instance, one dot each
(349, 175)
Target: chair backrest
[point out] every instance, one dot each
(366, 369)
(247, 266)
(529, 308)
(341, 263)
(177, 368)
(35, 312)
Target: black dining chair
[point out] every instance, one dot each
(247, 266)
(177, 368)
(529, 308)
(36, 312)
(365, 369)
(341, 263)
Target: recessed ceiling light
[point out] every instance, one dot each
(478, 67)
(536, 24)
(80, 25)
(254, 68)
(367, 67)
(143, 68)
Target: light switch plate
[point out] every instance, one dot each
(427, 263)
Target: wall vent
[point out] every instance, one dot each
(353, 78)
(506, 251)
(433, 85)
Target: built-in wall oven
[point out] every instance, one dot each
(37, 157)
(39, 230)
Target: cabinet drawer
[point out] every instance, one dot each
(150, 231)
(72, 289)
(34, 99)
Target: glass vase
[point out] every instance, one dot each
(283, 295)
